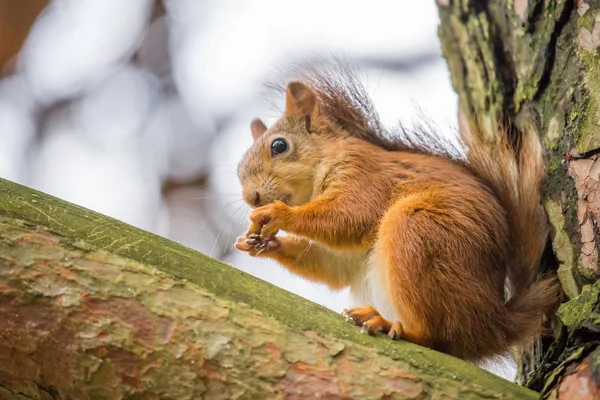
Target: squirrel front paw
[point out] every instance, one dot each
(269, 219)
(256, 245)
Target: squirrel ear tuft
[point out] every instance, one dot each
(258, 128)
(300, 101)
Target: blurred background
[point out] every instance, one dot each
(140, 109)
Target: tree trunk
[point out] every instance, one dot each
(92, 308)
(508, 58)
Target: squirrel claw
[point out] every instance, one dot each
(253, 239)
(364, 329)
(395, 332)
(348, 316)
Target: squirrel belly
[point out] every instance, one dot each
(426, 241)
(368, 288)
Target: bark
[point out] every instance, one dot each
(526, 59)
(92, 308)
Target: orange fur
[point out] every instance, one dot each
(439, 235)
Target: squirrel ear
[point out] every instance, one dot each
(300, 100)
(258, 128)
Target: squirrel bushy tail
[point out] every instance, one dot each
(515, 173)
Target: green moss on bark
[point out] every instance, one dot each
(580, 309)
(587, 136)
(563, 248)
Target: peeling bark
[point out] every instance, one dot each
(92, 308)
(529, 58)
(580, 381)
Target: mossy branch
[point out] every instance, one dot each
(94, 308)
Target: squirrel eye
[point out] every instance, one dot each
(278, 146)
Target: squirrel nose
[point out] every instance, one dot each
(256, 201)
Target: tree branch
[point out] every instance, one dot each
(94, 308)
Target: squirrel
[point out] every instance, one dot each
(428, 243)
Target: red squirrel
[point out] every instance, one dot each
(425, 240)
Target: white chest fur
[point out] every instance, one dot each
(369, 289)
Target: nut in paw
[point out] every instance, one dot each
(255, 245)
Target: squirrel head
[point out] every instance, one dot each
(281, 163)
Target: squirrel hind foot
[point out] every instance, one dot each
(395, 331)
(370, 321)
